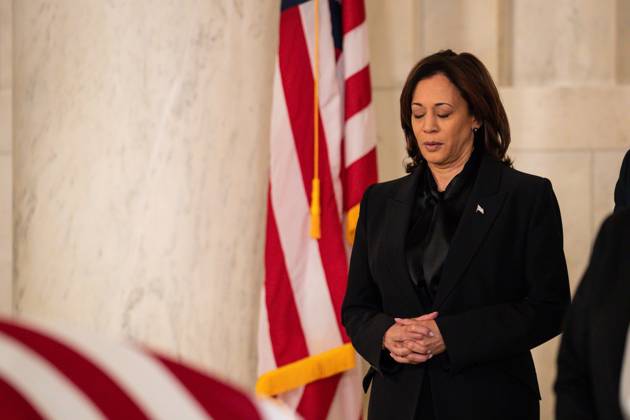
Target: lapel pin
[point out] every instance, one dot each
(479, 209)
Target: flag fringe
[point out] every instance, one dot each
(351, 223)
(307, 370)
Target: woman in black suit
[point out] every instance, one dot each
(457, 269)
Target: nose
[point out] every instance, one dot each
(430, 123)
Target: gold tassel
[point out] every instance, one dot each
(316, 211)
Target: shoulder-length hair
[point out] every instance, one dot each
(474, 83)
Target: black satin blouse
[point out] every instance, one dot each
(434, 220)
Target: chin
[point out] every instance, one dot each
(435, 158)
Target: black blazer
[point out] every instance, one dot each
(591, 353)
(503, 290)
(622, 189)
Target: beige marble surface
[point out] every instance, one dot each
(545, 361)
(623, 42)
(6, 116)
(401, 35)
(6, 36)
(393, 35)
(390, 139)
(571, 176)
(564, 42)
(6, 159)
(568, 118)
(141, 133)
(462, 25)
(6, 236)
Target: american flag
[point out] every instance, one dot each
(53, 372)
(304, 355)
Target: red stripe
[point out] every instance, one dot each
(353, 14)
(317, 398)
(297, 79)
(89, 378)
(221, 401)
(357, 177)
(285, 329)
(358, 92)
(14, 406)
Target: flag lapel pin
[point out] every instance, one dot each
(480, 209)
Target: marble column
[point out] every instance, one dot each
(141, 158)
(6, 160)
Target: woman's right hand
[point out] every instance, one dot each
(396, 336)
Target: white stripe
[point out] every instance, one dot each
(301, 253)
(266, 359)
(348, 400)
(355, 50)
(149, 383)
(272, 410)
(49, 391)
(292, 398)
(360, 133)
(330, 88)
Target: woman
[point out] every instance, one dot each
(457, 269)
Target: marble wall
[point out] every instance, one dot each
(140, 180)
(562, 71)
(6, 158)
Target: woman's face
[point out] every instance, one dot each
(441, 122)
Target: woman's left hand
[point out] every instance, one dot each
(427, 345)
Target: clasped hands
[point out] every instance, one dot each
(414, 340)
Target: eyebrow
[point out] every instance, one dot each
(437, 104)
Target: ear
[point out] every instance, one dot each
(475, 124)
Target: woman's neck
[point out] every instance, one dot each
(444, 174)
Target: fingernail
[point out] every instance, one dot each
(430, 356)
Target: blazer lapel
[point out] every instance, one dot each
(398, 215)
(482, 208)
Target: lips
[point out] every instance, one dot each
(432, 146)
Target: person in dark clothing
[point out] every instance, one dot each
(592, 348)
(457, 269)
(622, 189)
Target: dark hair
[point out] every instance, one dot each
(474, 83)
